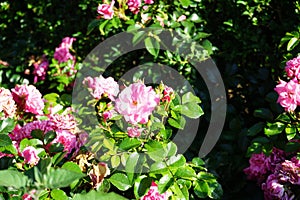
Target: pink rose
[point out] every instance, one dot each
(106, 10)
(136, 103)
(26, 197)
(30, 155)
(40, 69)
(181, 18)
(134, 6)
(134, 131)
(149, 1)
(62, 53)
(154, 194)
(67, 42)
(292, 68)
(28, 98)
(100, 85)
(289, 94)
(67, 139)
(7, 103)
(258, 167)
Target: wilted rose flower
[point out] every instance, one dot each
(289, 94)
(134, 131)
(28, 98)
(154, 194)
(7, 104)
(106, 10)
(30, 155)
(136, 103)
(100, 85)
(97, 174)
(288, 171)
(134, 5)
(292, 68)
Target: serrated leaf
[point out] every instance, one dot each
(190, 97)
(177, 123)
(121, 181)
(129, 143)
(5, 140)
(115, 161)
(58, 178)
(176, 161)
(152, 46)
(192, 110)
(292, 43)
(186, 173)
(164, 183)
(6, 126)
(201, 189)
(57, 194)
(13, 178)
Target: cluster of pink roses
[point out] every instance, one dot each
(107, 10)
(275, 174)
(135, 102)
(25, 100)
(289, 92)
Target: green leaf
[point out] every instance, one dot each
(56, 148)
(274, 128)
(5, 140)
(58, 178)
(152, 45)
(130, 143)
(186, 173)
(177, 123)
(158, 167)
(94, 195)
(176, 161)
(198, 161)
(134, 165)
(185, 3)
(13, 178)
(49, 137)
(6, 126)
(141, 186)
(71, 167)
(57, 194)
(256, 128)
(92, 25)
(121, 181)
(263, 113)
(109, 143)
(190, 97)
(164, 183)
(155, 150)
(138, 37)
(215, 190)
(201, 188)
(37, 134)
(171, 149)
(192, 110)
(115, 161)
(292, 43)
(292, 147)
(178, 193)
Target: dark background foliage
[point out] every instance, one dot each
(249, 54)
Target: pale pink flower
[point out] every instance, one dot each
(134, 5)
(134, 131)
(258, 167)
(63, 122)
(136, 103)
(100, 85)
(30, 155)
(28, 98)
(289, 94)
(292, 68)
(106, 10)
(181, 18)
(40, 69)
(161, 21)
(153, 194)
(108, 114)
(149, 1)
(7, 103)
(67, 139)
(145, 17)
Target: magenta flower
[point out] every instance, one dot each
(106, 10)
(154, 194)
(134, 5)
(30, 155)
(26, 197)
(288, 171)
(62, 53)
(134, 131)
(28, 98)
(136, 103)
(67, 139)
(258, 167)
(292, 68)
(100, 85)
(289, 94)
(40, 69)
(276, 157)
(167, 93)
(7, 103)
(149, 1)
